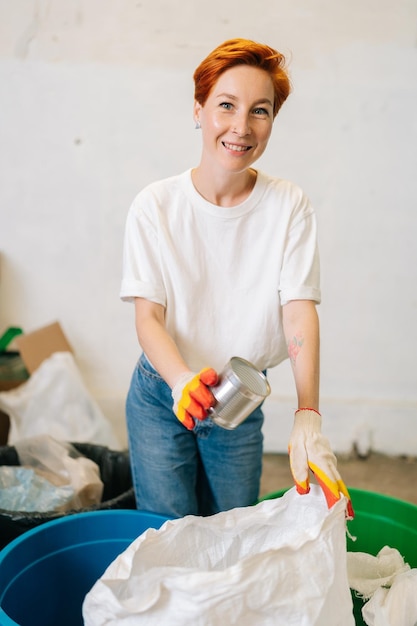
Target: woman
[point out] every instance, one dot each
(222, 261)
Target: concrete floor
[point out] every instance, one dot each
(392, 476)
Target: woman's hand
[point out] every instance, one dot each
(310, 450)
(192, 396)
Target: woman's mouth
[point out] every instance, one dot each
(235, 148)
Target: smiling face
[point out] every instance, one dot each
(236, 119)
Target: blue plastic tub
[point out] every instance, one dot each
(46, 573)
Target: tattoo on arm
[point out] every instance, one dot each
(294, 346)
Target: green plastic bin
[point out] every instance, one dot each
(379, 521)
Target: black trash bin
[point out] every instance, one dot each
(12, 374)
(118, 490)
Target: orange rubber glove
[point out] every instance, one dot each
(309, 449)
(192, 396)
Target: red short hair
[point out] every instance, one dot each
(242, 52)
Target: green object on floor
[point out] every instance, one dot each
(12, 369)
(379, 521)
(8, 336)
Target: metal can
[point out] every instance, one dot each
(240, 390)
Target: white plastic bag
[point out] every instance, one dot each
(52, 476)
(62, 465)
(278, 563)
(366, 573)
(395, 606)
(55, 401)
(389, 585)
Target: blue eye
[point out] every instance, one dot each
(226, 105)
(260, 111)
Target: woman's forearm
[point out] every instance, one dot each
(301, 328)
(156, 342)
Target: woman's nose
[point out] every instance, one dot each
(241, 126)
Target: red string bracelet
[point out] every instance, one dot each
(306, 408)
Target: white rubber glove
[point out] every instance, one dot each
(310, 450)
(192, 396)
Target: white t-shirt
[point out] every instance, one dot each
(222, 273)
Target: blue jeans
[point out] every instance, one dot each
(179, 472)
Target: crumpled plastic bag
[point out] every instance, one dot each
(396, 606)
(21, 489)
(55, 401)
(280, 562)
(389, 585)
(367, 573)
(53, 476)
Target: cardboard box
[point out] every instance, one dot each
(40, 344)
(33, 349)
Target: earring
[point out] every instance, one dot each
(197, 125)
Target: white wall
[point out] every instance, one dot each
(96, 101)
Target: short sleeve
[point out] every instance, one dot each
(141, 273)
(300, 272)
